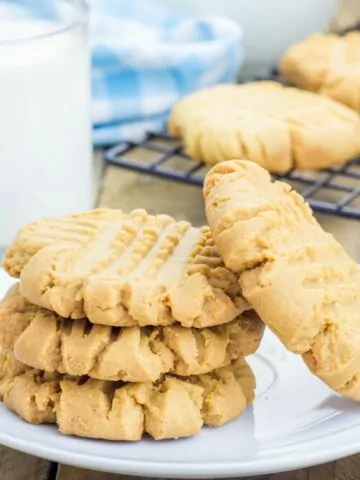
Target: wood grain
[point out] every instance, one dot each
(346, 469)
(18, 466)
(347, 16)
(71, 473)
(128, 190)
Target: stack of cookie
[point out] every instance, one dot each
(124, 324)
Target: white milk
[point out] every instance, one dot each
(45, 134)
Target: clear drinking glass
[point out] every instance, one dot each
(45, 126)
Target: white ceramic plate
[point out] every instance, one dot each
(296, 422)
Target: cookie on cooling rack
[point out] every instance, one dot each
(327, 64)
(298, 278)
(278, 127)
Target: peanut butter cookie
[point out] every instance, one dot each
(170, 408)
(125, 270)
(326, 64)
(298, 277)
(279, 128)
(44, 341)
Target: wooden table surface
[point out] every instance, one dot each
(119, 188)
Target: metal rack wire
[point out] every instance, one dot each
(335, 190)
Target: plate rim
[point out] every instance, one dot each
(308, 456)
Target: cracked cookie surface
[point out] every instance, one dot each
(43, 340)
(326, 64)
(279, 128)
(171, 408)
(122, 269)
(297, 277)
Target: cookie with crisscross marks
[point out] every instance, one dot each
(125, 270)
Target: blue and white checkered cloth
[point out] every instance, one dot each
(146, 57)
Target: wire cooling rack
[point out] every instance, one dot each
(334, 191)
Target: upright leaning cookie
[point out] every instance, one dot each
(125, 270)
(297, 277)
(277, 127)
(326, 64)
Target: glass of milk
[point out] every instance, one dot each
(45, 126)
